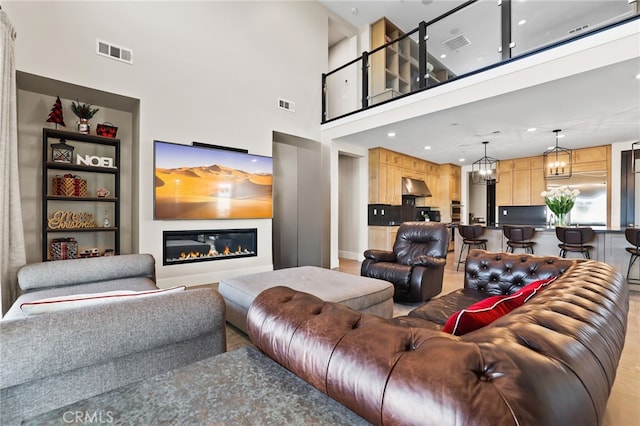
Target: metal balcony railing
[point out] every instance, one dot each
(475, 36)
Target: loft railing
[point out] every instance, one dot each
(475, 36)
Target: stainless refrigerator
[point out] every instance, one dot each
(590, 208)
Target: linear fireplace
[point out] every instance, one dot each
(199, 246)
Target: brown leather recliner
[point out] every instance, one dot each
(415, 267)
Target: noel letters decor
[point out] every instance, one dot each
(94, 160)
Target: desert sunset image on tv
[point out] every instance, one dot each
(193, 182)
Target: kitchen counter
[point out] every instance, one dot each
(609, 245)
(550, 228)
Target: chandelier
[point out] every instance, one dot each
(485, 170)
(557, 161)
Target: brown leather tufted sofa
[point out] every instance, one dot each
(550, 362)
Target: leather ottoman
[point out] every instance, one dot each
(362, 294)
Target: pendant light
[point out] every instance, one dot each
(557, 161)
(485, 171)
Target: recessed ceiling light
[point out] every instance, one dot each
(391, 134)
(522, 22)
(560, 136)
(443, 56)
(461, 160)
(531, 129)
(427, 147)
(638, 76)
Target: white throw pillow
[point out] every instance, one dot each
(63, 303)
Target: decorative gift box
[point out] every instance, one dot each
(107, 129)
(69, 186)
(63, 248)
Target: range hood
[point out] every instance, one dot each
(415, 187)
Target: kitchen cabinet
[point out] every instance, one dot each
(433, 183)
(386, 170)
(71, 205)
(450, 182)
(521, 187)
(385, 179)
(504, 186)
(382, 237)
(521, 182)
(391, 187)
(590, 155)
(538, 184)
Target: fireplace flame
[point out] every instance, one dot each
(190, 255)
(226, 250)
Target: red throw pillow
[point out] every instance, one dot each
(490, 309)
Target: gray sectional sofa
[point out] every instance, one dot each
(54, 359)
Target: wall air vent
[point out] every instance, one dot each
(578, 29)
(110, 50)
(457, 42)
(285, 104)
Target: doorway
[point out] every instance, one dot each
(491, 205)
(298, 228)
(629, 189)
(349, 194)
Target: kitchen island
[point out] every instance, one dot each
(608, 245)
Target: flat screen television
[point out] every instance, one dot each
(199, 182)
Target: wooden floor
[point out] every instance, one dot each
(623, 408)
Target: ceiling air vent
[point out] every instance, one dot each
(110, 50)
(285, 104)
(457, 42)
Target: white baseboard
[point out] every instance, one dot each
(352, 255)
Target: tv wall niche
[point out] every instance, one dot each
(200, 182)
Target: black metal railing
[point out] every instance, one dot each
(417, 60)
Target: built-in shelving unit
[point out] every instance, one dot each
(94, 149)
(395, 69)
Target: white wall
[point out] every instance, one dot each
(203, 71)
(342, 86)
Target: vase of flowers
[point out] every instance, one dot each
(84, 113)
(560, 201)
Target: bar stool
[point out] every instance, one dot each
(519, 236)
(574, 240)
(470, 237)
(633, 236)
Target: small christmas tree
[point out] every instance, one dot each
(55, 116)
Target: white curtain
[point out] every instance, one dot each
(12, 250)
